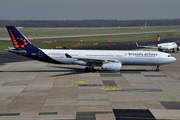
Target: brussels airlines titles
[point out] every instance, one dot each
(141, 54)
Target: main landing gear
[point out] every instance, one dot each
(90, 68)
(160, 49)
(173, 51)
(157, 69)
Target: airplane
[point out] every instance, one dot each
(107, 59)
(162, 46)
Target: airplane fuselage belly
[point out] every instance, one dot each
(126, 57)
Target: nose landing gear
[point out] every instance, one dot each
(157, 69)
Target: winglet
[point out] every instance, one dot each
(67, 55)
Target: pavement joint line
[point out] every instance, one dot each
(9, 72)
(9, 114)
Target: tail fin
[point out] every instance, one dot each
(24, 47)
(158, 38)
(18, 39)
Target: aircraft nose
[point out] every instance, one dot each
(173, 59)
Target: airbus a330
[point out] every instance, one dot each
(107, 59)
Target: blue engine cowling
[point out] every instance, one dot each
(112, 66)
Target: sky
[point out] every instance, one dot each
(89, 9)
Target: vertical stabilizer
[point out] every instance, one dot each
(158, 38)
(24, 47)
(18, 39)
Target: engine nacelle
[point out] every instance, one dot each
(160, 49)
(112, 66)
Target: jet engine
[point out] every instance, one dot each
(178, 49)
(112, 66)
(160, 49)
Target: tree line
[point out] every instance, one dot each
(88, 23)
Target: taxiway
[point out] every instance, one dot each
(36, 90)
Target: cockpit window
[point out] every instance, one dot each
(169, 56)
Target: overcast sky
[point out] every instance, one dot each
(88, 9)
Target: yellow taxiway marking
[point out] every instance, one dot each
(112, 88)
(79, 82)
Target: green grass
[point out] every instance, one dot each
(87, 41)
(5, 45)
(30, 32)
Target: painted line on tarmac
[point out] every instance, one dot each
(108, 88)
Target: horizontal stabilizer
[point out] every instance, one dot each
(21, 52)
(11, 48)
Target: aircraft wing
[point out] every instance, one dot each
(149, 46)
(93, 60)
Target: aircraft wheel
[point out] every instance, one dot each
(93, 70)
(157, 69)
(160, 50)
(87, 69)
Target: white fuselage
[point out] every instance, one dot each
(107, 59)
(167, 46)
(125, 57)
